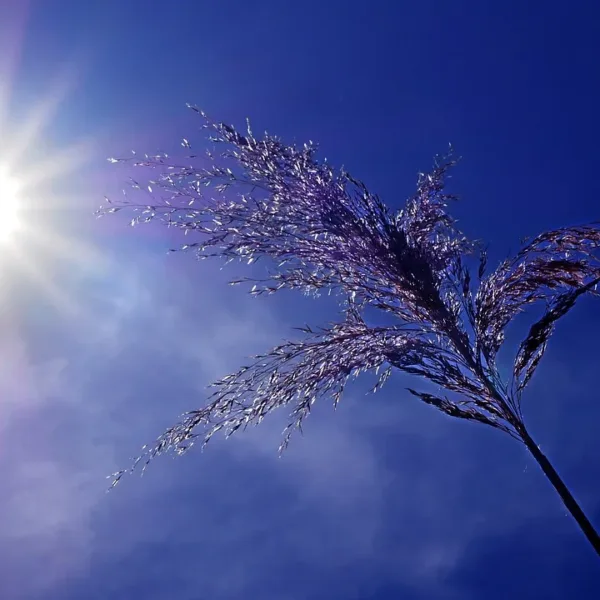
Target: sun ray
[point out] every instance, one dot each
(22, 142)
(11, 45)
(9, 202)
(63, 162)
(45, 284)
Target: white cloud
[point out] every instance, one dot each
(383, 477)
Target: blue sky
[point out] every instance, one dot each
(106, 338)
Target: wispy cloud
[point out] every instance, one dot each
(384, 487)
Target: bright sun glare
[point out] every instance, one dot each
(36, 176)
(9, 203)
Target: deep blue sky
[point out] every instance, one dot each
(113, 338)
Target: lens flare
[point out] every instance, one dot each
(9, 203)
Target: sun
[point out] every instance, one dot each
(9, 203)
(43, 198)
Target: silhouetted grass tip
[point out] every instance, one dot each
(321, 229)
